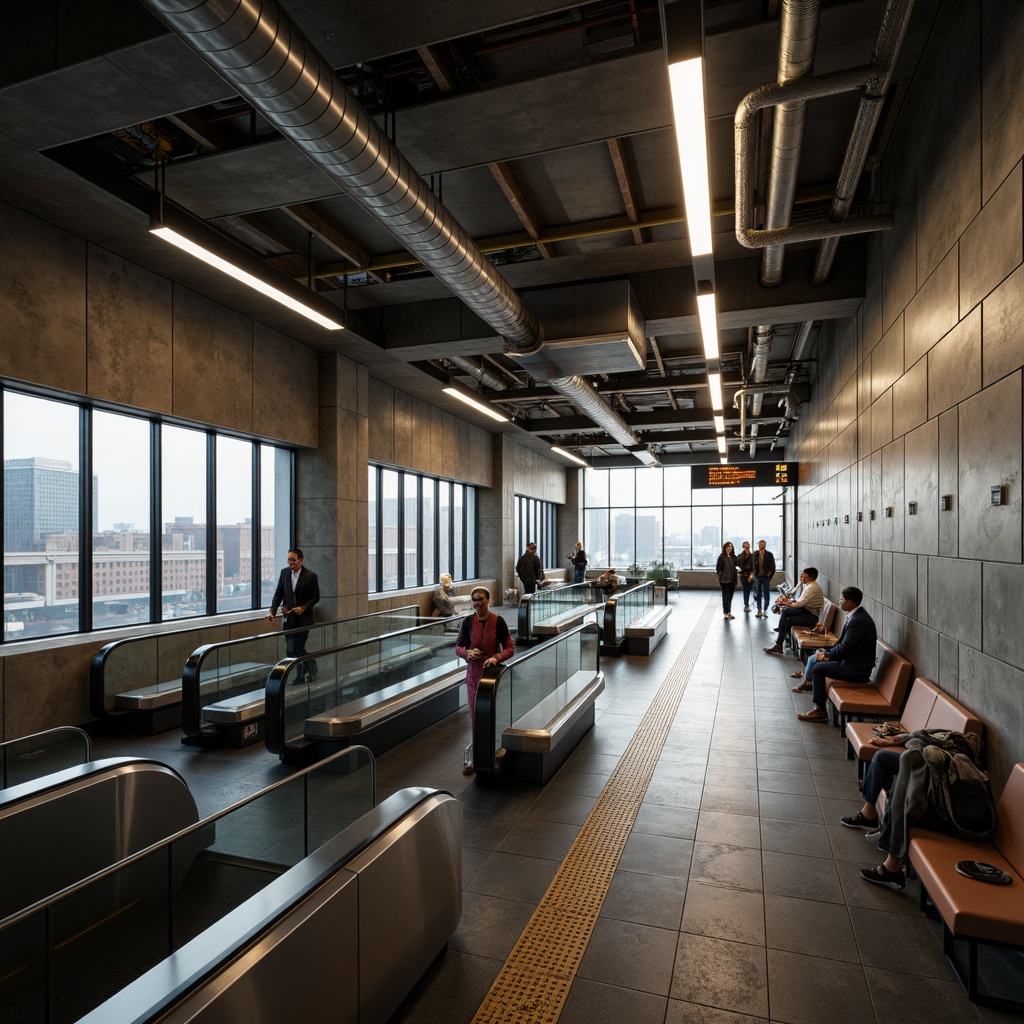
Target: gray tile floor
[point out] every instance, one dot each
(738, 896)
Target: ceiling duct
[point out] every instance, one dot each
(479, 373)
(260, 52)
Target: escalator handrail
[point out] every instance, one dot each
(7, 746)
(191, 704)
(112, 869)
(228, 937)
(488, 759)
(274, 706)
(609, 634)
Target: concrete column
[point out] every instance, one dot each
(570, 517)
(496, 513)
(332, 506)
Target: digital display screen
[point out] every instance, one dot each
(754, 474)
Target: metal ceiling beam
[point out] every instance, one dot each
(506, 180)
(618, 154)
(659, 419)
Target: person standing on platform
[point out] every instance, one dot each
(298, 590)
(764, 570)
(578, 557)
(727, 568)
(529, 569)
(484, 641)
(746, 568)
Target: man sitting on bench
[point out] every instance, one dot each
(802, 609)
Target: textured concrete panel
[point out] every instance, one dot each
(450, 442)
(404, 427)
(1002, 315)
(922, 589)
(954, 365)
(949, 482)
(382, 422)
(870, 314)
(437, 420)
(910, 399)
(871, 574)
(1002, 100)
(935, 309)
(213, 381)
(288, 375)
(904, 585)
(921, 456)
(42, 295)
(480, 457)
(899, 265)
(946, 144)
(893, 496)
(990, 248)
(917, 643)
(992, 691)
(990, 456)
(129, 350)
(876, 531)
(340, 381)
(954, 598)
(1002, 636)
(881, 421)
(46, 688)
(887, 359)
(887, 573)
(421, 435)
(949, 666)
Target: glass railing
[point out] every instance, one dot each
(64, 956)
(512, 689)
(537, 608)
(220, 671)
(353, 677)
(621, 611)
(43, 753)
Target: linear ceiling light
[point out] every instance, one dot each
(569, 455)
(715, 387)
(200, 241)
(479, 406)
(719, 424)
(723, 448)
(708, 320)
(683, 32)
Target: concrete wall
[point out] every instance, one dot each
(919, 396)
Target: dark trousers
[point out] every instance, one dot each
(295, 647)
(762, 585)
(580, 575)
(728, 589)
(529, 586)
(748, 586)
(833, 670)
(791, 617)
(879, 774)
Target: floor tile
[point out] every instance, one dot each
(533, 837)
(721, 913)
(900, 942)
(727, 975)
(513, 877)
(591, 1002)
(801, 986)
(662, 820)
(731, 866)
(923, 1000)
(786, 874)
(657, 855)
(729, 829)
(811, 927)
(799, 837)
(630, 955)
(490, 926)
(654, 900)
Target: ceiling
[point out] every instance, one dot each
(543, 127)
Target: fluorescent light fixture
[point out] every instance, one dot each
(724, 460)
(178, 235)
(479, 406)
(719, 424)
(708, 323)
(722, 446)
(715, 387)
(568, 455)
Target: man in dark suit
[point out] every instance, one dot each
(850, 659)
(529, 569)
(297, 591)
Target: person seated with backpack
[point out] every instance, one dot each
(936, 783)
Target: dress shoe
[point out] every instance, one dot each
(817, 715)
(802, 688)
(773, 650)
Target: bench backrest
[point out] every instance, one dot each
(919, 704)
(892, 674)
(950, 714)
(828, 614)
(1009, 837)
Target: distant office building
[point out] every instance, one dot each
(41, 498)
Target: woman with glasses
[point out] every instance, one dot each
(484, 641)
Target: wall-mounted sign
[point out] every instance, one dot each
(752, 474)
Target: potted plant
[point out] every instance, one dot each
(663, 573)
(636, 572)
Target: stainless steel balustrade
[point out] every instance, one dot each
(64, 955)
(532, 710)
(381, 690)
(42, 753)
(223, 684)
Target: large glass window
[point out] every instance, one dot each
(654, 515)
(535, 520)
(419, 528)
(88, 546)
(120, 533)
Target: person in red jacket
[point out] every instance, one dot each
(484, 641)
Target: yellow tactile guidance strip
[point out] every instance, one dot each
(534, 982)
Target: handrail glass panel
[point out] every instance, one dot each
(554, 601)
(43, 753)
(622, 610)
(136, 913)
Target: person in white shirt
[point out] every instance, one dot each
(802, 609)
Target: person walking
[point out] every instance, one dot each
(727, 568)
(529, 569)
(578, 557)
(484, 641)
(746, 569)
(298, 590)
(764, 570)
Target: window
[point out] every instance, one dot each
(419, 528)
(133, 518)
(535, 520)
(653, 515)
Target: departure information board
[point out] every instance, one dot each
(752, 474)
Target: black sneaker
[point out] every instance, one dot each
(858, 820)
(882, 876)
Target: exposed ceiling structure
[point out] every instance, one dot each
(541, 148)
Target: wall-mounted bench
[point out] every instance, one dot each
(805, 641)
(881, 697)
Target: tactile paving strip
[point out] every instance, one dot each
(534, 982)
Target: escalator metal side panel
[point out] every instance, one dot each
(410, 903)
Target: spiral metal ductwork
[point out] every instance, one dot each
(260, 52)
